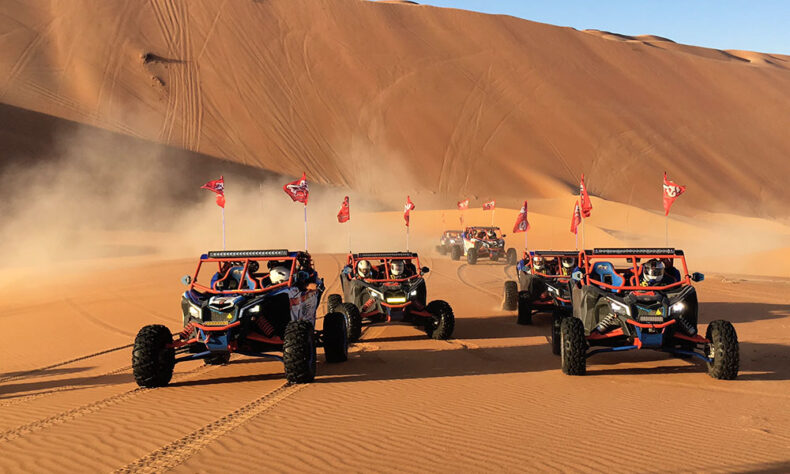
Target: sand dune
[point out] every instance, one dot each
(441, 100)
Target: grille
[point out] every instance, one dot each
(218, 316)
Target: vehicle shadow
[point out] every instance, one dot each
(38, 373)
(741, 312)
(15, 390)
(232, 379)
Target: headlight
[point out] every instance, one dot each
(376, 293)
(553, 290)
(396, 299)
(194, 311)
(414, 293)
(678, 307)
(255, 309)
(620, 308)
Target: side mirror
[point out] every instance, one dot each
(301, 277)
(577, 275)
(696, 276)
(186, 280)
(425, 269)
(504, 235)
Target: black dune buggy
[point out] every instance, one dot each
(546, 289)
(448, 240)
(381, 296)
(483, 242)
(617, 307)
(254, 302)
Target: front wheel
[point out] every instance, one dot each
(456, 252)
(299, 352)
(471, 256)
(152, 359)
(511, 296)
(443, 322)
(524, 308)
(511, 258)
(573, 346)
(353, 321)
(333, 301)
(723, 349)
(335, 338)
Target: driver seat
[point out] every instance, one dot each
(604, 272)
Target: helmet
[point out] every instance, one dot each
(363, 269)
(491, 234)
(279, 275)
(568, 262)
(538, 263)
(653, 271)
(396, 268)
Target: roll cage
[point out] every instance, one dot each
(600, 271)
(552, 256)
(410, 261)
(236, 265)
(471, 232)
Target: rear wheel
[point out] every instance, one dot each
(335, 338)
(723, 349)
(471, 256)
(511, 258)
(442, 250)
(152, 359)
(443, 323)
(573, 347)
(353, 321)
(299, 352)
(524, 308)
(455, 252)
(511, 296)
(556, 338)
(333, 301)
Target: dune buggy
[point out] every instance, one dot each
(256, 303)
(385, 295)
(619, 306)
(483, 242)
(448, 240)
(541, 288)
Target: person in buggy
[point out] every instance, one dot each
(654, 274)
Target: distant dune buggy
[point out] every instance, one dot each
(483, 242)
(543, 285)
(627, 299)
(255, 302)
(448, 240)
(389, 287)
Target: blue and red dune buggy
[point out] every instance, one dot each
(255, 302)
(625, 299)
(543, 287)
(389, 287)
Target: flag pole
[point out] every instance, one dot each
(582, 232)
(305, 227)
(223, 228)
(492, 216)
(407, 238)
(666, 230)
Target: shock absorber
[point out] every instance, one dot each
(611, 321)
(686, 326)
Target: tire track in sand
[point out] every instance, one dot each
(175, 453)
(89, 408)
(460, 273)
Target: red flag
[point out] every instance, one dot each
(671, 191)
(407, 210)
(345, 214)
(217, 186)
(490, 205)
(298, 190)
(463, 204)
(576, 219)
(522, 224)
(586, 206)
